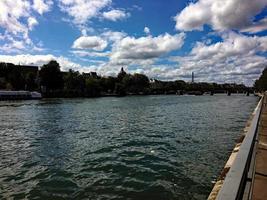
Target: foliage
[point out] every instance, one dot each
(51, 76)
(54, 83)
(93, 87)
(261, 84)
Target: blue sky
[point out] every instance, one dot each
(221, 41)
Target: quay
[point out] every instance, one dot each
(245, 174)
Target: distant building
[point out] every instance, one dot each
(193, 77)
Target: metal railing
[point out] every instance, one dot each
(236, 179)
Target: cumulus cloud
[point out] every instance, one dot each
(145, 48)
(83, 10)
(235, 59)
(115, 15)
(221, 15)
(233, 44)
(90, 42)
(10, 14)
(27, 59)
(14, 13)
(17, 18)
(87, 47)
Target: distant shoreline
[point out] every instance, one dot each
(26, 95)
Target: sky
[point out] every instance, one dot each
(219, 40)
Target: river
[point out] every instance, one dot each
(138, 147)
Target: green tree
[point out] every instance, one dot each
(51, 76)
(73, 81)
(93, 87)
(261, 84)
(120, 89)
(108, 84)
(140, 83)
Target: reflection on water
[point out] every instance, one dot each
(150, 147)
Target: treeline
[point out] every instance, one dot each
(261, 84)
(15, 77)
(52, 82)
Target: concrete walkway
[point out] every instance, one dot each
(259, 187)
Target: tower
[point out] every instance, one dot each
(193, 77)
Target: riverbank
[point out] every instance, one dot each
(27, 95)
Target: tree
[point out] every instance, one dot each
(140, 83)
(108, 84)
(93, 88)
(51, 76)
(120, 89)
(261, 84)
(74, 81)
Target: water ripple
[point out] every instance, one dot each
(153, 147)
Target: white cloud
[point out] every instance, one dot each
(90, 42)
(115, 15)
(10, 14)
(42, 6)
(32, 22)
(235, 59)
(233, 44)
(83, 10)
(14, 13)
(17, 18)
(147, 30)
(27, 59)
(131, 49)
(221, 15)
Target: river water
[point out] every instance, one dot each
(139, 147)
